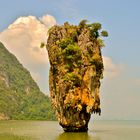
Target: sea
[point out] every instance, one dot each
(50, 130)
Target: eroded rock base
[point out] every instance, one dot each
(75, 129)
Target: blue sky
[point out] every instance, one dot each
(121, 19)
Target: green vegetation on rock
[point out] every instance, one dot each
(20, 97)
(76, 69)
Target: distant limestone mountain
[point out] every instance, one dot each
(20, 96)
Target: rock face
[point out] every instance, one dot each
(75, 73)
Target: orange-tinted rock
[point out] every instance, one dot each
(75, 73)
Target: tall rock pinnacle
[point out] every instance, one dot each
(75, 72)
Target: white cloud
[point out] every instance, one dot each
(23, 38)
(48, 20)
(111, 69)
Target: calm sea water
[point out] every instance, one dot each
(50, 130)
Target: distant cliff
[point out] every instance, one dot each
(75, 73)
(20, 97)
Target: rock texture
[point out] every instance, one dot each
(75, 73)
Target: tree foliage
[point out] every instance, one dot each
(104, 33)
(20, 97)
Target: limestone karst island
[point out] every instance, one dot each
(76, 69)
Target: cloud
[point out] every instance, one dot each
(48, 20)
(111, 69)
(23, 38)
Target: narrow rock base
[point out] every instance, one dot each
(74, 129)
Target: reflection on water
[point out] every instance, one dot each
(75, 136)
(45, 130)
(7, 136)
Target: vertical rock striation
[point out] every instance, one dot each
(75, 73)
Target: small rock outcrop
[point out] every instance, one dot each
(75, 73)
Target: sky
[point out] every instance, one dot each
(24, 25)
